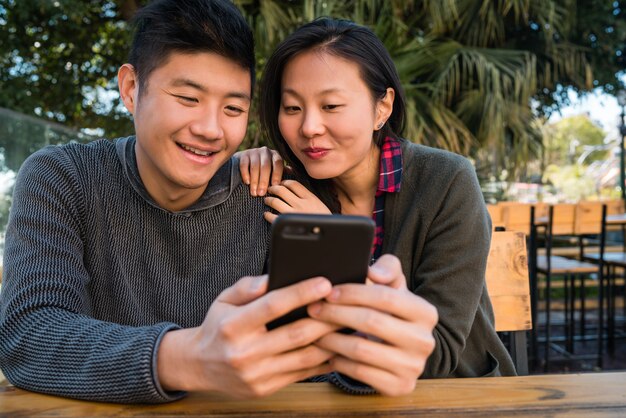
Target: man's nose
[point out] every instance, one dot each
(207, 125)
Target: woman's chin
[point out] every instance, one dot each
(320, 174)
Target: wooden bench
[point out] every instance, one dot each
(509, 290)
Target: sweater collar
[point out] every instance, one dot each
(225, 180)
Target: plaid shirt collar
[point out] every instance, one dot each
(390, 166)
(389, 182)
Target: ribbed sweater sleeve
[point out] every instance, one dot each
(95, 274)
(51, 343)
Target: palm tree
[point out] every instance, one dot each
(471, 68)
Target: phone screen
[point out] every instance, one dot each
(337, 247)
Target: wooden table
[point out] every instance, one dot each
(578, 395)
(618, 219)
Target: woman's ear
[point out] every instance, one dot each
(384, 108)
(129, 86)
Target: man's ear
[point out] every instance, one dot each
(129, 86)
(384, 108)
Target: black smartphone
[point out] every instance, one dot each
(337, 247)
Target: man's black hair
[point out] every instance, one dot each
(189, 26)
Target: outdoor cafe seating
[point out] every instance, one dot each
(577, 265)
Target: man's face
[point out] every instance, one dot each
(189, 119)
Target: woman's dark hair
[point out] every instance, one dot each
(189, 26)
(344, 39)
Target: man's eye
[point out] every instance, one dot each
(187, 99)
(331, 106)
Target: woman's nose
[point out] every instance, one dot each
(312, 125)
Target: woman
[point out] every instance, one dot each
(333, 106)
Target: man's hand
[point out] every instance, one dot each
(232, 351)
(259, 168)
(291, 196)
(398, 324)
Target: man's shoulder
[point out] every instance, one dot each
(73, 160)
(74, 151)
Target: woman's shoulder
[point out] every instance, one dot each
(423, 157)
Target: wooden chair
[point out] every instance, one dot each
(541, 209)
(587, 220)
(495, 212)
(508, 288)
(516, 216)
(612, 261)
(563, 218)
(614, 207)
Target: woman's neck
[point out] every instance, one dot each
(356, 189)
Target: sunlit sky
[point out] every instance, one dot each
(603, 110)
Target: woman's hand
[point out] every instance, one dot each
(398, 324)
(260, 167)
(291, 196)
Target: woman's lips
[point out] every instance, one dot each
(316, 153)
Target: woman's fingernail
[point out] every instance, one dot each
(378, 270)
(323, 286)
(334, 295)
(315, 309)
(261, 192)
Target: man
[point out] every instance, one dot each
(116, 250)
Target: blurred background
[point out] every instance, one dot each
(530, 90)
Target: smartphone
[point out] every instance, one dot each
(337, 247)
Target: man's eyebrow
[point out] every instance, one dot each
(182, 82)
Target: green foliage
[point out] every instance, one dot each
(570, 138)
(571, 181)
(59, 58)
(470, 68)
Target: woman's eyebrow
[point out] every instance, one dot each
(325, 91)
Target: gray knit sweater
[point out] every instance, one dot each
(95, 272)
(439, 228)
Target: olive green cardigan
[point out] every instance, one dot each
(438, 226)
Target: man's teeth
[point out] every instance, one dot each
(196, 151)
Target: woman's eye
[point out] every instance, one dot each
(291, 109)
(331, 106)
(234, 110)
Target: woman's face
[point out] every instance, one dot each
(327, 116)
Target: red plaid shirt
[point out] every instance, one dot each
(389, 182)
